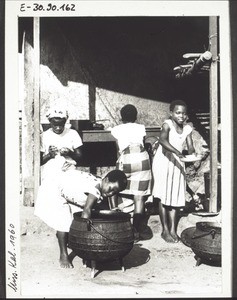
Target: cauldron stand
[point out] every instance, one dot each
(93, 265)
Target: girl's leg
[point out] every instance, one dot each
(139, 211)
(62, 241)
(172, 215)
(163, 213)
(139, 204)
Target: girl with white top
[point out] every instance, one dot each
(60, 146)
(60, 152)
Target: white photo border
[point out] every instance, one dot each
(15, 9)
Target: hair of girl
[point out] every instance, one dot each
(177, 102)
(118, 176)
(129, 113)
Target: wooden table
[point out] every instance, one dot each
(92, 136)
(99, 147)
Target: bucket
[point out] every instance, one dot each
(206, 241)
(106, 236)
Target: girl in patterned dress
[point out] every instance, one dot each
(169, 171)
(73, 191)
(134, 162)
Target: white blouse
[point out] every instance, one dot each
(128, 133)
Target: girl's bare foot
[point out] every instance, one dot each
(65, 262)
(167, 237)
(175, 237)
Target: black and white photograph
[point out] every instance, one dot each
(118, 136)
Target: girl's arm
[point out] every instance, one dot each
(164, 140)
(76, 154)
(90, 201)
(189, 142)
(44, 158)
(113, 202)
(117, 149)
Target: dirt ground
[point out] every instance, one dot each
(153, 268)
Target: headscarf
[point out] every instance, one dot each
(57, 113)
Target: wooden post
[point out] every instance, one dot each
(92, 98)
(36, 105)
(213, 36)
(92, 113)
(30, 115)
(27, 117)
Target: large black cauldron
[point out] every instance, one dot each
(106, 236)
(206, 242)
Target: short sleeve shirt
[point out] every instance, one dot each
(75, 185)
(129, 133)
(68, 138)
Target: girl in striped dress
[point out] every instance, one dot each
(134, 161)
(169, 171)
